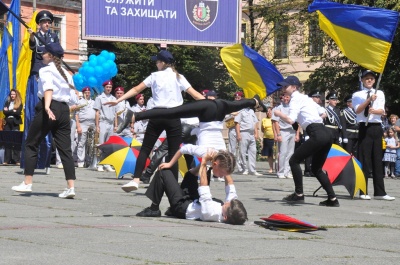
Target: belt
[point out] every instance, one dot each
(331, 126)
(353, 131)
(249, 130)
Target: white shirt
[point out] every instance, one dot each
(166, 88)
(304, 110)
(247, 119)
(360, 97)
(107, 112)
(51, 79)
(284, 108)
(209, 134)
(209, 210)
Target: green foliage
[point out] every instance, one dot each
(202, 66)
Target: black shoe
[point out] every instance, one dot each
(168, 212)
(145, 180)
(149, 213)
(294, 198)
(330, 203)
(260, 103)
(126, 122)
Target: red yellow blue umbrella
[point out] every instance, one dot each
(121, 153)
(344, 169)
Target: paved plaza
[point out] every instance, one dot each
(99, 226)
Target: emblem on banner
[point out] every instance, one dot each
(201, 14)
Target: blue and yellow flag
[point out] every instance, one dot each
(252, 72)
(364, 34)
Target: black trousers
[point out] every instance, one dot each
(317, 146)
(61, 131)
(11, 153)
(179, 197)
(206, 110)
(162, 151)
(154, 128)
(351, 146)
(370, 154)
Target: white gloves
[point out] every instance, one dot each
(345, 140)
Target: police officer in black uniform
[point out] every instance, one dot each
(44, 19)
(332, 121)
(350, 127)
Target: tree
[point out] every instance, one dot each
(202, 66)
(340, 74)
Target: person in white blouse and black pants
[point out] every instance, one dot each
(305, 111)
(166, 87)
(51, 115)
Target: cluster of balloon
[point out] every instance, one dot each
(96, 71)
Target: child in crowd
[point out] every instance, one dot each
(389, 157)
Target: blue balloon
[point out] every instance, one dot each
(90, 71)
(111, 56)
(104, 54)
(85, 64)
(92, 57)
(93, 61)
(101, 60)
(98, 71)
(92, 81)
(114, 72)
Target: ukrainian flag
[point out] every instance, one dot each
(252, 72)
(364, 34)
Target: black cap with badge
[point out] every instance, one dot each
(44, 15)
(54, 48)
(314, 94)
(368, 72)
(331, 95)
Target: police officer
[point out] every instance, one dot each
(85, 119)
(350, 127)
(332, 121)
(232, 132)
(105, 116)
(44, 19)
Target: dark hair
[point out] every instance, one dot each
(236, 214)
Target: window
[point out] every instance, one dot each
(281, 39)
(56, 27)
(315, 39)
(243, 36)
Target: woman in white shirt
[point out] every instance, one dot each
(166, 86)
(52, 114)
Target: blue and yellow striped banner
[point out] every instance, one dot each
(364, 34)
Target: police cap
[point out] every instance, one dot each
(44, 15)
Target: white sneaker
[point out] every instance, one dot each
(255, 173)
(81, 164)
(60, 166)
(222, 179)
(130, 186)
(281, 177)
(289, 176)
(100, 169)
(365, 197)
(245, 172)
(47, 170)
(386, 198)
(22, 187)
(108, 168)
(67, 193)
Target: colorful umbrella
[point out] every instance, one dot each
(284, 222)
(183, 166)
(121, 152)
(344, 169)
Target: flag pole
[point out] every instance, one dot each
(34, 33)
(376, 90)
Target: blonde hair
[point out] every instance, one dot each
(18, 99)
(226, 160)
(57, 63)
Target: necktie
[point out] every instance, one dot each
(367, 108)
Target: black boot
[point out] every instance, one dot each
(126, 122)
